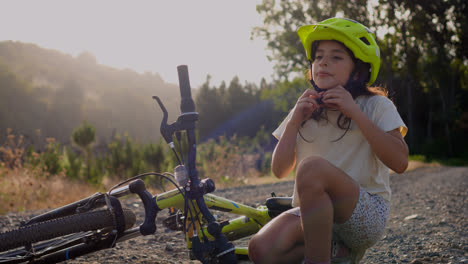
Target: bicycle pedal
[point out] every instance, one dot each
(172, 210)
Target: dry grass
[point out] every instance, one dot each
(12, 151)
(24, 188)
(225, 164)
(414, 164)
(21, 190)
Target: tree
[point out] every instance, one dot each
(65, 111)
(431, 52)
(424, 59)
(84, 137)
(238, 97)
(20, 109)
(211, 108)
(87, 58)
(228, 111)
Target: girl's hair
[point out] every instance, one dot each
(356, 86)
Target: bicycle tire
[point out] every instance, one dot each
(53, 228)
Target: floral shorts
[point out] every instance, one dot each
(365, 226)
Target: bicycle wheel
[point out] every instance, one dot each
(88, 221)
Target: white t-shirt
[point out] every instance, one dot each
(352, 153)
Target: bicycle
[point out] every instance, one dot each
(99, 221)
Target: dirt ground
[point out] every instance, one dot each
(428, 222)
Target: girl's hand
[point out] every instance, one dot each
(305, 106)
(340, 99)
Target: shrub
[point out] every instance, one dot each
(153, 155)
(51, 157)
(12, 151)
(224, 161)
(84, 136)
(72, 164)
(96, 172)
(48, 162)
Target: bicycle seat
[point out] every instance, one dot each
(277, 205)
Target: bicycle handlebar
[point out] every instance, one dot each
(187, 121)
(186, 104)
(151, 209)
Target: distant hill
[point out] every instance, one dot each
(52, 91)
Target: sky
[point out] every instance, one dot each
(210, 36)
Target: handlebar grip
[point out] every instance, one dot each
(186, 104)
(151, 209)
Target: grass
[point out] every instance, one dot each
(22, 190)
(457, 161)
(25, 187)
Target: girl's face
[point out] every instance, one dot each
(332, 65)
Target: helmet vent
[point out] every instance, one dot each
(363, 39)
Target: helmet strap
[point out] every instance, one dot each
(350, 80)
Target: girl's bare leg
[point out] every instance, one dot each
(280, 241)
(327, 195)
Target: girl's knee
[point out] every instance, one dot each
(257, 249)
(276, 239)
(310, 175)
(311, 164)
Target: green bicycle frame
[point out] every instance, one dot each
(250, 221)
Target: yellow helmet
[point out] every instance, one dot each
(355, 36)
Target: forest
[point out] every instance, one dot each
(47, 94)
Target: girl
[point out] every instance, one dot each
(342, 137)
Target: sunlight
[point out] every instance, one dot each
(153, 36)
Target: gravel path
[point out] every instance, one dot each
(428, 222)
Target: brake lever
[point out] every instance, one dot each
(163, 108)
(165, 129)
